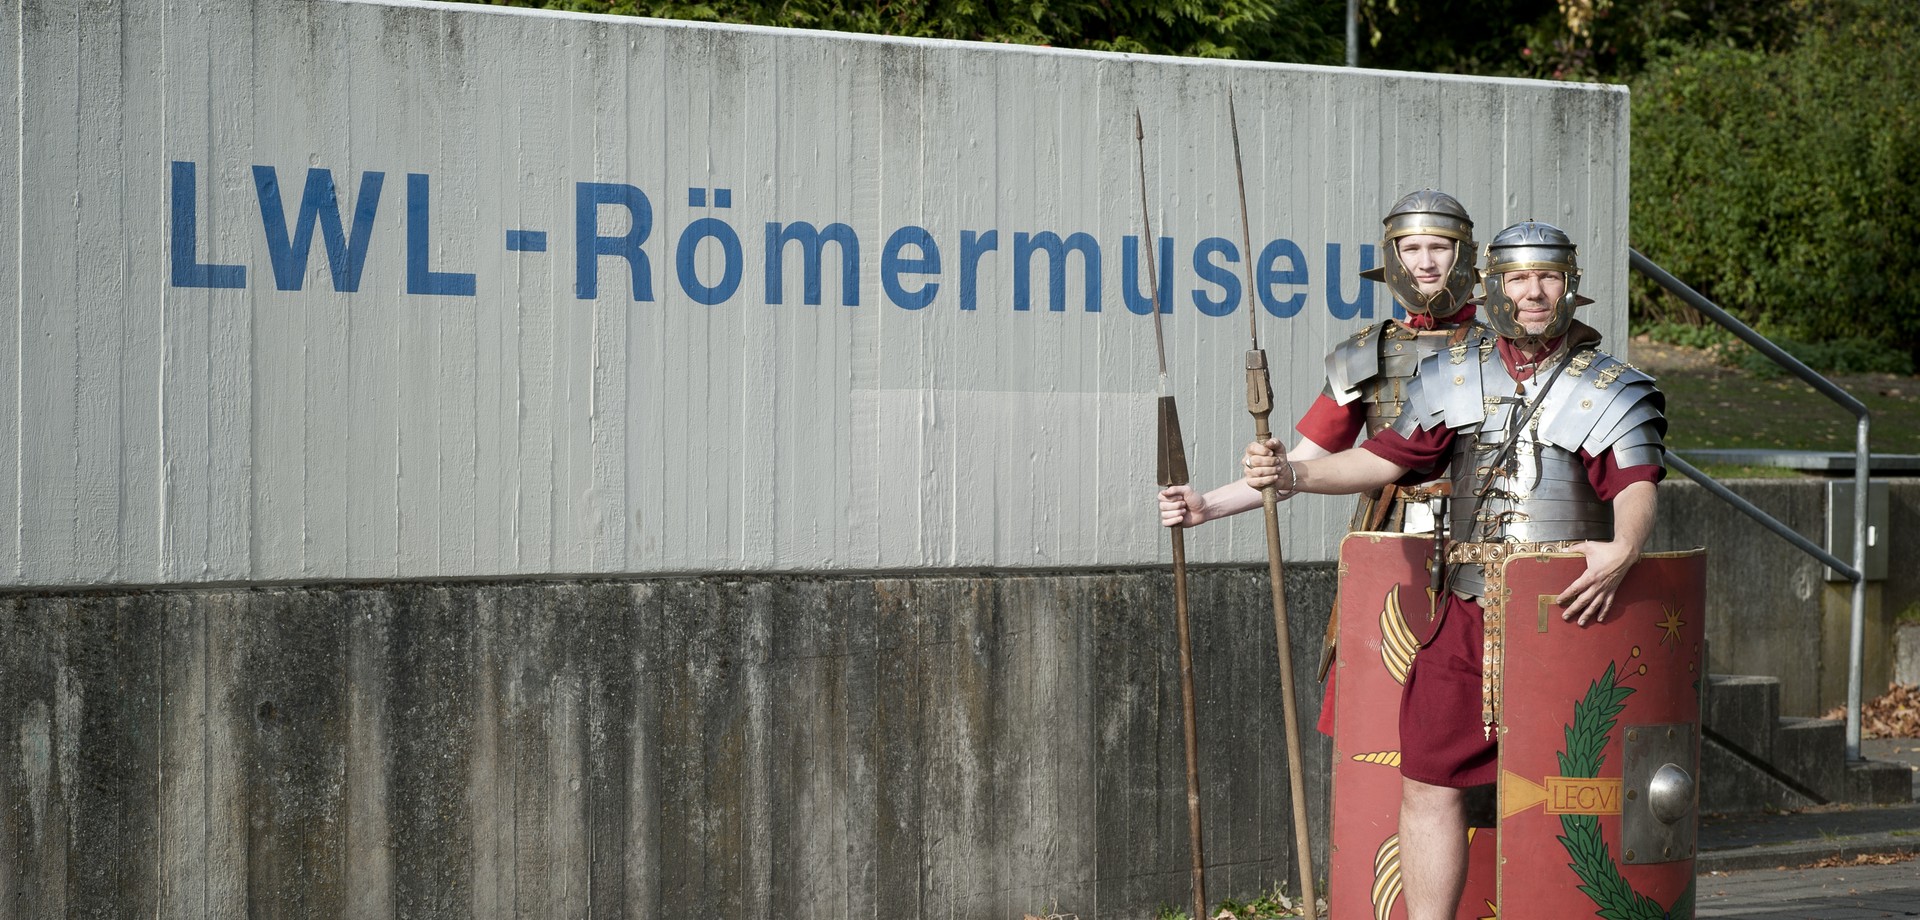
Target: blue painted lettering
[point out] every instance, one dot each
(1362, 305)
(589, 245)
(188, 270)
(812, 240)
(1217, 274)
(1049, 242)
(893, 264)
(719, 231)
(1137, 302)
(972, 247)
(319, 204)
(420, 278)
(1269, 276)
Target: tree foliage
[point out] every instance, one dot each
(1779, 183)
(1300, 31)
(1594, 40)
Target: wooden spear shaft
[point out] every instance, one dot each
(1260, 406)
(1173, 472)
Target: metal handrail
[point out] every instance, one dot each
(1856, 573)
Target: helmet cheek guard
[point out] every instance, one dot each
(1432, 213)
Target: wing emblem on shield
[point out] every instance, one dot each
(1397, 642)
(1386, 878)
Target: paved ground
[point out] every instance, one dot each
(1753, 866)
(1812, 894)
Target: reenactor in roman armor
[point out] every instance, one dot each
(1428, 265)
(1554, 448)
(1369, 373)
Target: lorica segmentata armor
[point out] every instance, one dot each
(1539, 496)
(1377, 366)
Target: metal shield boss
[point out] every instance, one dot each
(1384, 582)
(1599, 741)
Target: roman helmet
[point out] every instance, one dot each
(1526, 246)
(1439, 214)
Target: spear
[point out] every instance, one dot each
(1173, 472)
(1260, 405)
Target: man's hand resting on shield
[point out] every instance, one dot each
(1591, 595)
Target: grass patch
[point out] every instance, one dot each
(1724, 472)
(1724, 408)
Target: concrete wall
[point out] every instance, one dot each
(966, 746)
(1770, 610)
(530, 352)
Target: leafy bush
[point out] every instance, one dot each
(1304, 31)
(1778, 183)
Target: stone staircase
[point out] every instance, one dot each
(1753, 759)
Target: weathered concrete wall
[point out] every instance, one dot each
(1770, 610)
(776, 747)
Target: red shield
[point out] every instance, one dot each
(1600, 741)
(1383, 576)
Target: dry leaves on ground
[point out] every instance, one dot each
(1894, 714)
(1863, 859)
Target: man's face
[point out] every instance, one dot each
(1428, 259)
(1535, 292)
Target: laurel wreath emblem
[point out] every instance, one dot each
(1593, 720)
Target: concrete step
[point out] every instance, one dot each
(1744, 711)
(1813, 753)
(1879, 782)
(1731, 783)
(1753, 759)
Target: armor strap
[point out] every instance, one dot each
(1382, 503)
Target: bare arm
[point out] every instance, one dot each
(1346, 473)
(1591, 595)
(1183, 506)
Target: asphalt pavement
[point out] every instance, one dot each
(1832, 863)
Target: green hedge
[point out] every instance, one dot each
(1781, 185)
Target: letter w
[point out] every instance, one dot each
(319, 204)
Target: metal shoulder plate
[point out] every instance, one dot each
(1451, 387)
(1354, 362)
(1601, 401)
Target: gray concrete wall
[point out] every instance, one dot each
(1770, 610)
(190, 406)
(975, 746)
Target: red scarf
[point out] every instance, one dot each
(1424, 321)
(1522, 366)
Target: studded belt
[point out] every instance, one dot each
(1496, 553)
